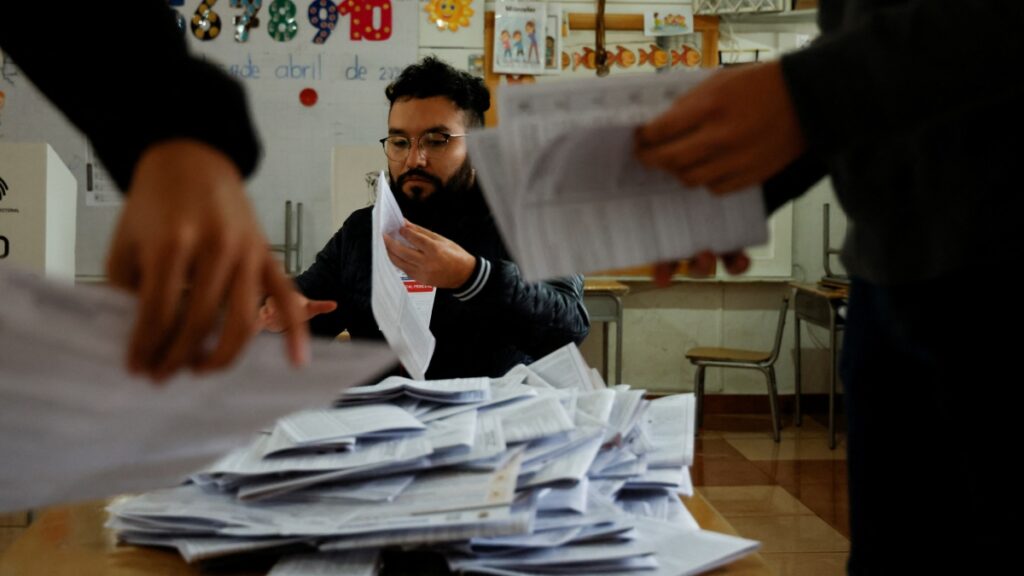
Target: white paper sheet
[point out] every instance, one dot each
(396, 315)
(562, 171)
(564, 368)
(75, 425)
(312, 427)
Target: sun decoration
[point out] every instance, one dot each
(449, 14)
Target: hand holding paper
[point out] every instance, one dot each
(570, 195)
(734, 130)
(187, 221)
(430, 258)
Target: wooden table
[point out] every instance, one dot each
(71, 541)
(603, 299)
(817, 305)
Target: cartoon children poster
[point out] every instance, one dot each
(519, 38)
(668, 21)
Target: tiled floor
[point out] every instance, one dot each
(792, 496)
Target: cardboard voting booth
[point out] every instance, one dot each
(37, 210)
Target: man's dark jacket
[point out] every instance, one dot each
(482, 333)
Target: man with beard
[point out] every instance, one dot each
(486, 318)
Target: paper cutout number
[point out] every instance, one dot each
(282, 26)
(323, 15)
(361, 26)
(205, 22)
(247, 20)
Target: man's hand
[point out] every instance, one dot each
(432, 260)
(272, 320)
(187, 225)
(735, 130)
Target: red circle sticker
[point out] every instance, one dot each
(308, 97)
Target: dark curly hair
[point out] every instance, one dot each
(431, 77)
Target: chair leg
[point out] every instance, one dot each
(773, 400)
(832, 384)
(699, 389)
(798, 392)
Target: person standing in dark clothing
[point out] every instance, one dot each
(906, 134)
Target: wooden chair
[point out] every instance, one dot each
(750, 359)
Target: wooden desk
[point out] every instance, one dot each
(71, 541)
(817, 305)
(603, 299)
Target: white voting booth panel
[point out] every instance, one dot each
(37, 210)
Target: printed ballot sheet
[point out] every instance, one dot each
(403, 326)
(561, 171)
(75, 425)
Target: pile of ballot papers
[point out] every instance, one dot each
(541, 471)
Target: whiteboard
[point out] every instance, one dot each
(348, 75)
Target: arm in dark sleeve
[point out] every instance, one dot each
(538, 317)
(131, 83)
(792, 181)
(878, 73)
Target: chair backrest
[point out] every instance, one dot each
(779, 330)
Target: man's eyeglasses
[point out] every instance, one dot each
(431, 145)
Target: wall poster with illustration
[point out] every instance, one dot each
(673, 22)
(519, 38)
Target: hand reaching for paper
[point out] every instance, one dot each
(271, 318)
(189, 245)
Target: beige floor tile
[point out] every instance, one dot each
(719, 464)
(816, 564)
(789, 534)
(787, 473)
(759, 426)
(788, 449)
(733, 501)
(716, 472)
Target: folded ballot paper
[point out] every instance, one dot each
(75, 425)
(453, 391)
(539, 475)
(405, 328)
(561, 171)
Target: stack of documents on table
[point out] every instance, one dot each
(542, 474)
(562, 171)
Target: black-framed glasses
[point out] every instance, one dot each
(431, 144)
